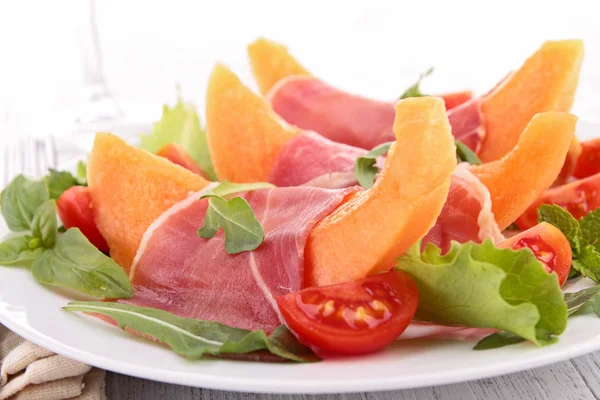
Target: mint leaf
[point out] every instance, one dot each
(498, 339)
(590, 228)
(587, 262)
(415, 90)
(44, 224)
(465, 154)
(563, 220)
(577, 300)
(77, 264)
(20, 251)
(480, 285)
(364, 167)
(58, 182)
(181, 125)
(20, 200)
(194, 338)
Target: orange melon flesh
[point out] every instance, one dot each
(366, 233)
(519, 178)
(244, 134)
(271, 62)
(546, 82)
(130, 188)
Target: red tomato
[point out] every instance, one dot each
(353, 317)
(75, 211)
(455, 99)
(548, 244)
(588, 163)
(177, 155)
(578, 197)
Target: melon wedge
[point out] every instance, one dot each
(519, 178)
(130, 188)
(546, 82)
(244, 134)
(366, 233)
(272, 62)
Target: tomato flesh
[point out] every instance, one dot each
(578, 197)
(588, 163)
(74, 208)
(354, 317)
(548, 244)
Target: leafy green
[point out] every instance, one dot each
(58, 182)
(577, 300)
(243, 231)
(563, 220)
(465, 154)
(415, 90)
(480, 285)
(194, 338)
(181, 125)
(44, 224)
(77, 264)
(20, 200)
(590, 228)
(364, 167)
(20, 251)
(498, 339)
(81, 175)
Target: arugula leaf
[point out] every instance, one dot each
(577, 300)
(563, 220)
(181, 125)
(498, 339)
(20, 200)
(227, 188)
(194, 338)
(465, 154)
(58, 182)
(77, 264)
(480, 285)
(415, 90)
(364, 167)
(590, 228)
(20, 251)
(44, 224)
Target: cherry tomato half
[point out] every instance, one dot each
(74, 208)
(578, 197)
(548, 244)
(588, 163)
(353, 317)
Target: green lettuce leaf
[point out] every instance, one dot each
(181, 125)
(480, 285)
(194, 338)
(415, 90)
(364, 167)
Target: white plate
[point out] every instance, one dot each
(34, 312)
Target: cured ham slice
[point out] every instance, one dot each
(177, 271)
(467, 214)
(314, 160)
(311, 104)
(424, 330)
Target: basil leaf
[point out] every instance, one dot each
(498, 339)
(81, 174)
(44, 224)
(20, 251)
(227, 188)
(58, 182)
(590, 228)
(415, 90)
(77, 264)
(243, 232)
(364, 167)
(563, 220)
(575, 301)
(20, 200)
(465, 154)
(194, 338)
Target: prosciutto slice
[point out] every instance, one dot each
(177, 271)
(357, 121)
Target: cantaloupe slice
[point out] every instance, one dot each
(130, 188)
(244, 134)
(546, 82)
(272, 62)
(366, 233)
(519, 178)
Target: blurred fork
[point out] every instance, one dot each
(24, 154)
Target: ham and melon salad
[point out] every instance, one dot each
(336, 224)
